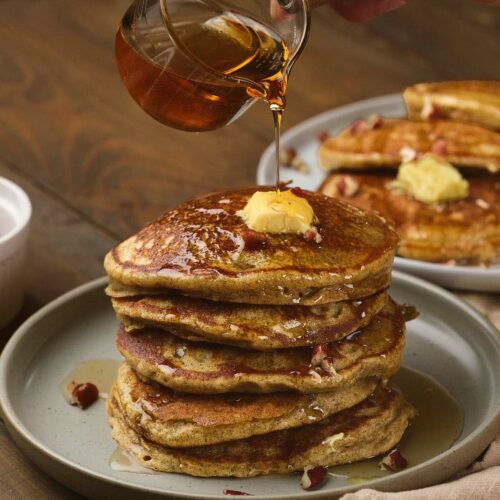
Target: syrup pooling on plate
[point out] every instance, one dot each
(99, 371)
(122, 461)
(436, 427)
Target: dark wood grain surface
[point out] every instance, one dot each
(96, 167)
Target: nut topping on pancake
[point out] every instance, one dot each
(394, 461)
(322, 357)
(313, 477)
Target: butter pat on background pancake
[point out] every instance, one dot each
(463, 230)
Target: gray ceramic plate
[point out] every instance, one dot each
(303, 138)
(449, 341)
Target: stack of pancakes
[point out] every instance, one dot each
(458, 122)
(249, 353)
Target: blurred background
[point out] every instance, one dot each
(97, 167)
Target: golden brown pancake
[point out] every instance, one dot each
(183, 420)
(466, 230)
(463, 101)
(252, 326)
(198, 248)
(370, 428)
(462, 144)
(196, 367)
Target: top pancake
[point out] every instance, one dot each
(198, 249)
(462, 144)
(464, 101)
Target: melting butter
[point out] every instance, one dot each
(431, 180)
(277, 212)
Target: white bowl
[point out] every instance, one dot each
(15, 214)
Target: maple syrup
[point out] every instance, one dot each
(100, 371)
(123, 461)
(239, 59)
(437, 425)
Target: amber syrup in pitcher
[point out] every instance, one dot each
(154, 70)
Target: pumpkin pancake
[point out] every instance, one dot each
(200, 249)
(182, 420)
(370, 428)
(465, 230)
(196, 367)
(260, 327)
(461, 144)
(463, 101)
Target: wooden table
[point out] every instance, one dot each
(97, 168)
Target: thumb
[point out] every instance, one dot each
(362, 10)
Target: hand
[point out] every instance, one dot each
(362, 10)
(359, 10)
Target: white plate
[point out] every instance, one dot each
(449, 341)
(303, 137)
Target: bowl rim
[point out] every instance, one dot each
(24, 208)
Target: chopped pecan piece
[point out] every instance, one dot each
(313, 235)
(374, 122)
(313, 477)
(431, 112)
(348, 186)
(284, 184)
(357, 126)
(394, 461)
(83, 395)
(286, 156)
(345, 185)
(323, 136)
(439, 147)
(322, 357)
(297, 191)
(482, 204)
(253, 239)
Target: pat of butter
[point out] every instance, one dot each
(430, 180)
(272, 212)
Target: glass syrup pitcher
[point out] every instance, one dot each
(199, 64)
